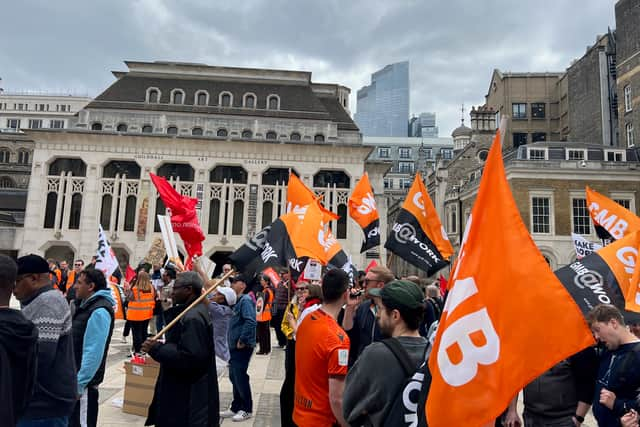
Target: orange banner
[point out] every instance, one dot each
(299, 196)
(363, 210)
(611, 216)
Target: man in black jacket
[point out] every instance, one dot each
(18, 350)
(186, 392)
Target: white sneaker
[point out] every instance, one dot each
(241, 416)
(227, 414)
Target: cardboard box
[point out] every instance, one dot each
(139, 385)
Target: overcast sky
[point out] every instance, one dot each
(452, 45)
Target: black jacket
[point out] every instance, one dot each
(365, 330)
(18, 362)
(186, 392)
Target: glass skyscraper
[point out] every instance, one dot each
(383, 106)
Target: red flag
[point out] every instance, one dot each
(443, 284)
(183, 216)
(129, 274)
(372, 264)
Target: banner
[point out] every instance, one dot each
(417, 236)
(582, 246)
(611, 220)
(497, 331)
(299, 196)
(363, 210)
(106, 260)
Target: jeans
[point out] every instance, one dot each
(238, 367)
(45, 422)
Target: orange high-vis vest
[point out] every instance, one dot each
(118, 310)
(141, 305)
(265, 314)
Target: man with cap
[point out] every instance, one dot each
(55, 392)
(186, 391)
(220, 311)
(242, 340)
(369, 398)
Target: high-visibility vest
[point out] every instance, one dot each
(140, 305)
(263, 313)
(118, 310)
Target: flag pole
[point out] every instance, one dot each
(193, 304)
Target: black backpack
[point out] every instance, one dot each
(416, 386)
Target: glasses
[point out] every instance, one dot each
(302, 288)
(77, 265)
(367, 281)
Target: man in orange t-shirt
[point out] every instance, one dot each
(322, 357)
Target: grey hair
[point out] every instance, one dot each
(190, 278)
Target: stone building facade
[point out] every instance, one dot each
(38, 110)
(628, 71)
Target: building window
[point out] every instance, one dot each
(519, 110)
(177, 96)
(202, 97)
(519, 139)
(225, 100)
(580, 215)
(249, 100)
(537, 110)
(6, 182)
(4, 155)
(628, 130)
(23, 157)
(383, 152)
(537, 154)
(50, 210)
(318, 138)
(222, 132)
(447, 153)
(122, 127)
(130, 213)
(538, 137)
(161, 209)
(196, 132)
(147, 129)
(428, 154)
(172, 130)
(105, 211)
(76, 209)
(96, 126)
(273, 102)
(295, 136)
(57, 124)
(271, 135)
(615, 155)
(453, 219)
(214, 216)
(388, 184)
(625, 203)
(35, 124)
(575, 154)
(405, 167)
(404, 153)
(153, 95)
(238, 215)
(405, 183)
(627, 99)
(341, 226)
(267, 213)
(330, 178)
(540, 215)
(247, 134)
(13, 124)
(482, 155)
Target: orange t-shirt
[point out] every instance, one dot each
(322, 351)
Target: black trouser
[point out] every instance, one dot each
(263, 334)
(85, 412)
(277, 322)
(288, 386)
(127, 328)
(139, 330)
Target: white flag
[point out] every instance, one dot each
(583, 246)
(106, 260)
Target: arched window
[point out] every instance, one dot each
(341, 230)
(5, 155)
(172, 130)
(318, 138)
(326, 178)
(23, 157)
(214, 216)
(176, 170)
(153, 95)
(96, 126)
(122, 127)
(6, 182)
(121, 167)
(76, 208)
(160, 210)
(221, 132)
(177, 96)
(147, 129)
(267, 213)
(197, 132)
(105, 211)
(273, 102)
(76, 166)
(130, 213)
(50, 210)
(274, 176)
(271, 135)
(249, 100)
(227, 173)
(238, 214)
(247, 134)
(295, 136)
(202, 98)
(226, 99)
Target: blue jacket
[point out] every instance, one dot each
(242, 326)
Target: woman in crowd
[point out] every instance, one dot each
(141, 299)
(264, 298)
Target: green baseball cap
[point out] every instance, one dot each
(401, 292)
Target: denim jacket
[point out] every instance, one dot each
(242, 326)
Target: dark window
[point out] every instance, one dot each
(214, 216)
(538, 110)
(267, 213)
(6, 182)
(482, 155)
(176, 170)
(329, 178)
(318, 138)
(23, 157)
(581, 218)
(272, 135)
(238, 214)
(247, 134)
(121, 167)
(76, 166)
(35, 124)
(250, 101)
(178, 97)
(221, 132)
(5, 156)
(202, 98)
(172, 130)
(273, 176)
(519, 139)
(272, 103)
(154, 96)
(538, 137)
(105, 211)
(50, 210)
(295, 136)
(147, 129)
(228, 173)
(160, 210)
(96, 126)
(122, 127)
(76, 208)
(56, 124)
(13, 123)
(130, 213)
(196, 132)
(519, 111)
(225, 100)
(341, 230)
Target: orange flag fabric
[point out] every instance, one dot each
(612, 221)
(299, 196)
(362, 208)
(503, 301)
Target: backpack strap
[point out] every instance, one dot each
(401, 354)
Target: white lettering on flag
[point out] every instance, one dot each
(582, 246)
(106, 260)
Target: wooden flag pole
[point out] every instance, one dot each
(193, 304)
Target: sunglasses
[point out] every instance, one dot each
(301, 288)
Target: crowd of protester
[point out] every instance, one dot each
(338, 338)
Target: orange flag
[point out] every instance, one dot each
(362, 208)
(612, 221)
(299, 196)
(497, 329)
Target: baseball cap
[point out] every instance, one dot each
(240, 278)
(401, 292)
(32, 264)
(229, 295)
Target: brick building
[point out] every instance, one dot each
(628, 70)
